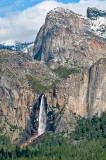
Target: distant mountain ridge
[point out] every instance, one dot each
(94, 13)
(10, 43)
(97, 25)
(17, 46)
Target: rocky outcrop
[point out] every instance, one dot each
(19, 103)
(83, 94)
(93, 13)
(67, 39)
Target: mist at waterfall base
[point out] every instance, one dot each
(42, 117)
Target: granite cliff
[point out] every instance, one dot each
(68, 40)
(83, 94)
(22, 80)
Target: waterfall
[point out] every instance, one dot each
(42, 117)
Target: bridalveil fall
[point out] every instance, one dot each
(42, 117)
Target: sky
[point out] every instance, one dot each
(20, 20)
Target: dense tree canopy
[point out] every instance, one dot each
(87, 142)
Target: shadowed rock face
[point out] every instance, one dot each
(67, 38)
(93, 13)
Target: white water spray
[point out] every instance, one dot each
(42, 117)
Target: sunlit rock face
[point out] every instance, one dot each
(68, 38)
(19, 103)
(83, 93)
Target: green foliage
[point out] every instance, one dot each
(4, 140)
(54, 147)
(14, 127)
(91, 128)
(0, 69)
(2, 128)
(36, 85)
(1, 112)
(64, 72)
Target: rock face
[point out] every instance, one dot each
(67, 39)
(83, 94)
(93, 13)
(19, 103)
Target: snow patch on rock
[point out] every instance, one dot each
(99, 26)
